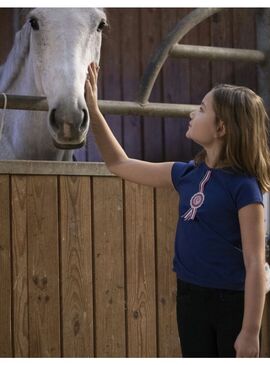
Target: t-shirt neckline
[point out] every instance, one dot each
(210, 168)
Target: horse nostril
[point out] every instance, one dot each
(53, 122)
(83, 125)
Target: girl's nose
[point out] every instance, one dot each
(191, 114)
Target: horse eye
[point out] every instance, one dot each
(102, 24)
(34, 23)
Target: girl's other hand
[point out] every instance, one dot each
(247, 345)
(91, 88)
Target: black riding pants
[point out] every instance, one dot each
(209, 320)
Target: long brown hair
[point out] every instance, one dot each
(246, 142)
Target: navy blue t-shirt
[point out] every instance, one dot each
(208, 249)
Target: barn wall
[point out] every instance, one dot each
(133, 36)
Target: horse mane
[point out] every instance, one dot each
(16, 58)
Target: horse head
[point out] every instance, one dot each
(62, 44)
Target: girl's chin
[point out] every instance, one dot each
(189, 137)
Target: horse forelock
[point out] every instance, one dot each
(16, 58)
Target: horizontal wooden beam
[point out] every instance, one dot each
(22, 167)
(217, 53)
(37, 103)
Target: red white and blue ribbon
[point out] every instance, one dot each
(197, 199)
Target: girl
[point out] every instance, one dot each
(219, 246)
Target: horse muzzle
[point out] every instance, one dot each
(68, 129)
(66, 146)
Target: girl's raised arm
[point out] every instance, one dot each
(141, 172)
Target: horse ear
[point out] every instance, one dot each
(22, 14)
(102, 10)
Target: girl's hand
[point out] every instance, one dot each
(91, 88)
(247, 345)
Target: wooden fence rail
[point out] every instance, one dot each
(85, 264)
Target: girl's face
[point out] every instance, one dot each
(202, 126)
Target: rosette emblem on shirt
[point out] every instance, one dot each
(197, 199)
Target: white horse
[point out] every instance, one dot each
(50, 58)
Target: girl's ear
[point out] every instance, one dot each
(221, 129)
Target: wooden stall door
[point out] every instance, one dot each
(86, 268)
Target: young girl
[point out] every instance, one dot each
(220, 243)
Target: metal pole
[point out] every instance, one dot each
(36, 103)
(159, 57)
(217, 53)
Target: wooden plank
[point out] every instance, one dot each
(53, 168)
(265, 341)
(140, 271)
(166, 220)
(5, 270)
(76, 266)
(20, 253)
(109, 267)
(43, 266)
(221, 36)
(130, 55)
(244, 22)
(187, 146)
(6, 33)
(200, 72)
(176, 80)
(152, 136)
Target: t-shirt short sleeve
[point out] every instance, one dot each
(248, 192)
(179, 169)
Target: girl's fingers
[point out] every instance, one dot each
(89, 96)
(92, 73)
(95, 69)
(91, 90)
(92, 67)
(88, 87)
(91, 77)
